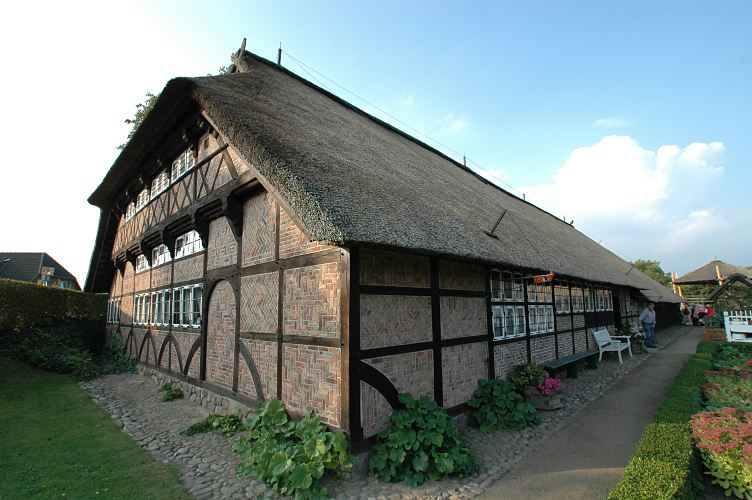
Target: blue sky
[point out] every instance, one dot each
(633, 118)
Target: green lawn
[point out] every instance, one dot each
(57, 443)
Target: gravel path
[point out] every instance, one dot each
(207, 462)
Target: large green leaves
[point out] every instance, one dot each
(497, 405)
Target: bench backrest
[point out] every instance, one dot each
(602, 337)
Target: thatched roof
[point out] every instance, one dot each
(707, 273)
(654, 291)
(355, 180)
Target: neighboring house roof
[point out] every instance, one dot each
(355, 180)
(27, 266)
(730, 280)
(707, 273)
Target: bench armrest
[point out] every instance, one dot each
(620, 337)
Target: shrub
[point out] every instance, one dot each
(497, 405)
(421, 443)
(170, 393)
(290, 457)
(724, 439)
(728, 391)
(729, 356)
(115, 359)
(527, 375)
(224, 425)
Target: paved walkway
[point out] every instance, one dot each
(587, 457)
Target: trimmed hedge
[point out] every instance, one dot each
(665, 464)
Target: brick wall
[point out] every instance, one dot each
(141, 281)
(292, 241)
(220, 334)
(311, 301)
(160, 276)
(259, 302)
(410, 372)
(387, 320)
(565, 345)
(563, 322)
(222, 248)
(463, 317)
(542, 349)
(311, 379)
(240, 164)
(264, 354)
(259, 228)
(461, 367)
(507, 356)
(126, 310)
(128, 279)
(116, 284)
(159, 337)
(189, 268)
(393, 269)
(461, 276)
(185, 341)
(579, 340)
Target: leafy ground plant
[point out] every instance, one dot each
(725, 441)
(527, 375)
(422, 442)
(224, 425)
(170, 393)
(497, 406)
(290, 457)
(728, 391)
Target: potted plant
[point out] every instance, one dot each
(539, 389)
(637, 338)
(714, 327)
(548, 394)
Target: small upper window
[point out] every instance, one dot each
(159, 184)
(130, 211)
(188, 244)
(160, 255)
(143, 199)
(141, 263)
(182, 164)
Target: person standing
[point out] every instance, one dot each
(647, 318)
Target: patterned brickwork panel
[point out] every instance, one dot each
(563, 322)
(387, 320)
(311, 380)
(565, 345)
(220, 354)
(580, 342)
(264, 354)
(292, 241)
(259, 227)
(116, 284)
(194, 369)
(259, 302)
(128, 279)
(507, 356)
(142, 281)
(463, 317)
(160, 276)
(175, 359)
(159, 337)
(461, 276)
(461, 367)
(311, 302)
(246, 387)
(542, 349)
(185, 341)
(189, 268)
(240, 164)
(222, 249)
(223, 175)
(393, 269)
(126, 310)
(410, 372)
(579, 321)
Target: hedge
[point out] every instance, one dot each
(665, 464)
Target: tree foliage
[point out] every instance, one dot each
(142, 109)
(653, 269)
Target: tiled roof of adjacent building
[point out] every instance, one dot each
(26, 266)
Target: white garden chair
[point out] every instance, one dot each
(611, 343)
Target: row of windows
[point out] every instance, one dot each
(185, 245)
(184, 163)
(171, 306)
(113, 310)
(510, 321)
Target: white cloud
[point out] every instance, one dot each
(612, 122)
(451, 125)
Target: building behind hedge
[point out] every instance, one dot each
(261, 238)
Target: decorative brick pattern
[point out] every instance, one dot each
(159, 337)
(259, 227)
(292, 241)
(194, 369)
(221, 336)
(387, 320)
(579, 341)
(126, 310)
(311, 380)
(507, 356)
(160, 276)
(542, 349)
(410, 372)
(222, 248)
(259, 301)
(264, 354)
(223, 175)
(461, 276)
(174, 359)
(185, 341)
(311, 302)
(116, 284)
(379, 267)
(461, 367)
(579, 321)
(563, 322)
(128, 279)
(565, 345)
(189, 268)
(142, 281)
(136, 337)
(240, 164)
(463, 317)
(246, 387)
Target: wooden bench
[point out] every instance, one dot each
(572, 363)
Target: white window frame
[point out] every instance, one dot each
(142, 200)
(166, 306)
(160, 255)
(183, 164)
(130, 212)
(160, 184)
(587, 292)
(188, 244)
(141, 263)
(562, 298)
(176, 305)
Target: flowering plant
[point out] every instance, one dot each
(550, 385)
(724, 439)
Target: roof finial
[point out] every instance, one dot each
(241, 60)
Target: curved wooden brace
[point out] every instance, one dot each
(189, 359)
(254, 372)
(170, 340)
(381, 383)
